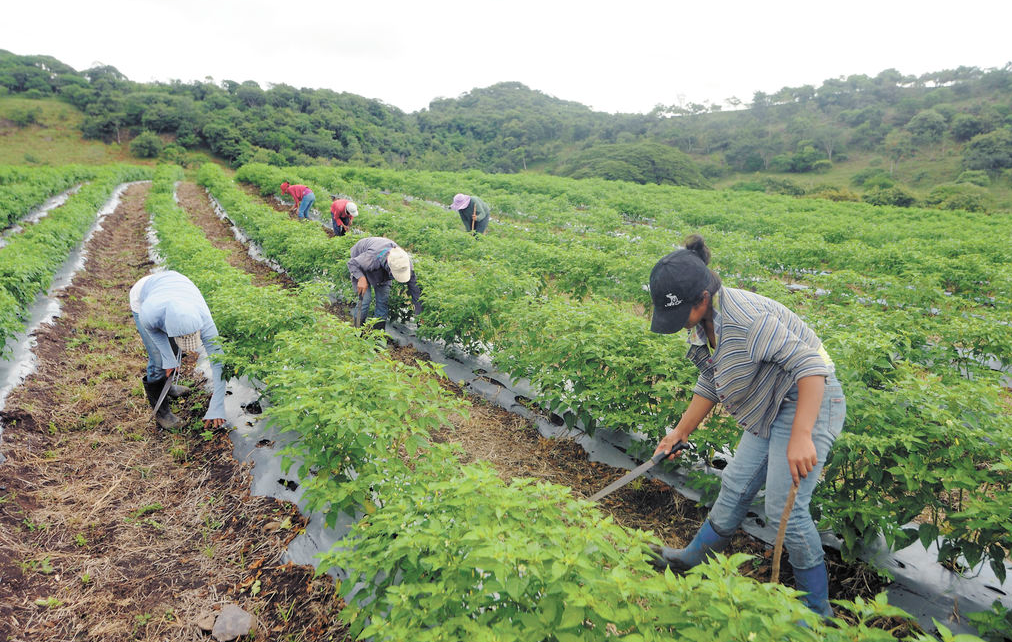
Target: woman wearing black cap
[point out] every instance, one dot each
(774, 377)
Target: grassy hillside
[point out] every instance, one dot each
(48, 132)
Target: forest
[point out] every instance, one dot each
(951, 130)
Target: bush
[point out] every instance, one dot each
(958, 196)
(24, 117)
(822, 166)
(862, 178)
(896, 196)
(832, 193)
(173, 153)
(748, 186)
(974, 177)
(146, 145)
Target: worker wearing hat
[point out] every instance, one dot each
(304, 199)
(772, 374)
(342, 213)
(474, 212)
(172, 317)
(374, 262)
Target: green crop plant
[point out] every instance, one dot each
(447, 551)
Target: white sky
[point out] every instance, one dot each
(616, 56)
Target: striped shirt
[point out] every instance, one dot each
(763, 349)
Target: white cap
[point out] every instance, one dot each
(351, 209)
(400, 264)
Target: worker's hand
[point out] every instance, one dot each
(216, 423)
(669, 441)
(168, 372)
(801, 456)
(361, 286)
(474, 217)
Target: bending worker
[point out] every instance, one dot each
(374, 262)
(170, 313)
(342, 213)
(474, 212)
(304, 199)
(774, 377)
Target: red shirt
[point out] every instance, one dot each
(337, 211)
(298, 191)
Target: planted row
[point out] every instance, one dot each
(23, 189)
(915, 381)
(446, 551)
(31, 258)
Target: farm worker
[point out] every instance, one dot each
(374, 262)
(774, 377)
(474, 212)
(342, 212)
(304, 198)
(170, 313)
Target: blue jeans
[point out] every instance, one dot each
(382, 294)
(759, 462)
(305, 204)
(154, 371)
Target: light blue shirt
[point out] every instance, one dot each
(171, 306)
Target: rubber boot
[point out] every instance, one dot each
(176, 391)
(164, 417)
(815, 583)
(705, 542)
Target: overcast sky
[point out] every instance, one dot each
(616, 56)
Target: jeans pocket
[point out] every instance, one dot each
(837, 414)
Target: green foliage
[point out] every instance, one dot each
(634, 162)
(31, 257)
(994, 625)
(974, 177)
(927, 127)
(897, 196)
(958, 196)
(990, 152)
(146, 145)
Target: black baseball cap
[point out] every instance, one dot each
(676, 284)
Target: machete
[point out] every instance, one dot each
(639, 470)
(168, 385)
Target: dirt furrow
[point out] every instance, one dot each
(111, 529)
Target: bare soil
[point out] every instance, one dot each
(113, 530)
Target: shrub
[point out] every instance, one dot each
(974, 177)
(832, 193)
(890, 196)
(146, 145)
(822, 166)
(958, 196)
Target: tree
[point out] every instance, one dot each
(966, 126)
(991, 152)
(146, 145)
(926, 127)
(898, 144)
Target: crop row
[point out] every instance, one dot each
(31, 258)
(443, 550)
(22, 189)
(931, 438)
(960, 251)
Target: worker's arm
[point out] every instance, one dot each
(698, 408)
(801, 453)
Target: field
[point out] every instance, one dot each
(469, 526)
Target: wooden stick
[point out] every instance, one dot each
(778, 547)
